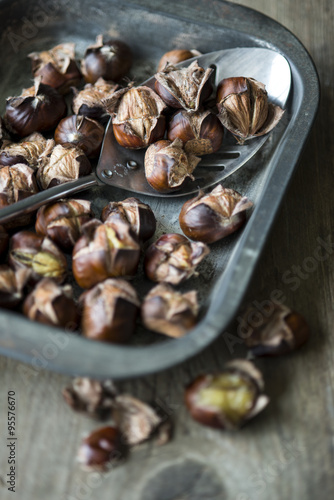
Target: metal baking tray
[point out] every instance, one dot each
(151, 28)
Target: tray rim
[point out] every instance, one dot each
(121, 362)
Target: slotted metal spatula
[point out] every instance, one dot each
(124, 168)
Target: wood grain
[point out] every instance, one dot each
(287, 452)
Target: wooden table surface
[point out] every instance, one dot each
(285, 453)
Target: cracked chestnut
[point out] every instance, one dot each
(82, 132)
(273, 331)
(185, 88)
(213, 216)
(101, 449)
(244, 108)
(201, 132)
(169, 312)
(57, 67)
(137, 116)
(228, 399)
(37, 109)
(176, 56)
(109, 311)
(12, 286)
(89, 101)
(173, 258)
(110, 59)
(132, 211)
(28, 150)
(167, 165)
(52, 304)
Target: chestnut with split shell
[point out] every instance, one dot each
(244, 108)
(277, 330)
(104, 251)
(213, 216)
(228, 399)
(173, 258)
(109, 311)
(168, 311)
(132, 211)
(110, 59)
(57, 67)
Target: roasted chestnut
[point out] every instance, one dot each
(167, 165)
(62, 221)
(244, 108)
(176, 56)
(104, 251)
(52, 304)
(226, 400)
(12, 284)
(132, 211)
(63, 165)
(274, 329)
(173, 258)
(88, 101)
(16, 183)
(40, 255)
(93, 398)
(201, 132)
(37, 109)
(57, 67)
(136, 420)
(110, 59)
(137, 116)
(27, 151)
(82, 132)
(213, 216)
(167, 311)
(101, 449)
(185, 88)
(109, 311)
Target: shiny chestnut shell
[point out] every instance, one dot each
(38, 109)
(201, 132)
(101, 449)
(57, 67)
(132, 211)
(111, 60)
(213, 216)
(62, 221)
(82, 132)
(109, 311)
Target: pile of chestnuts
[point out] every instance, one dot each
(43, 145)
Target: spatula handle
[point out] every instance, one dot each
(35, 201)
